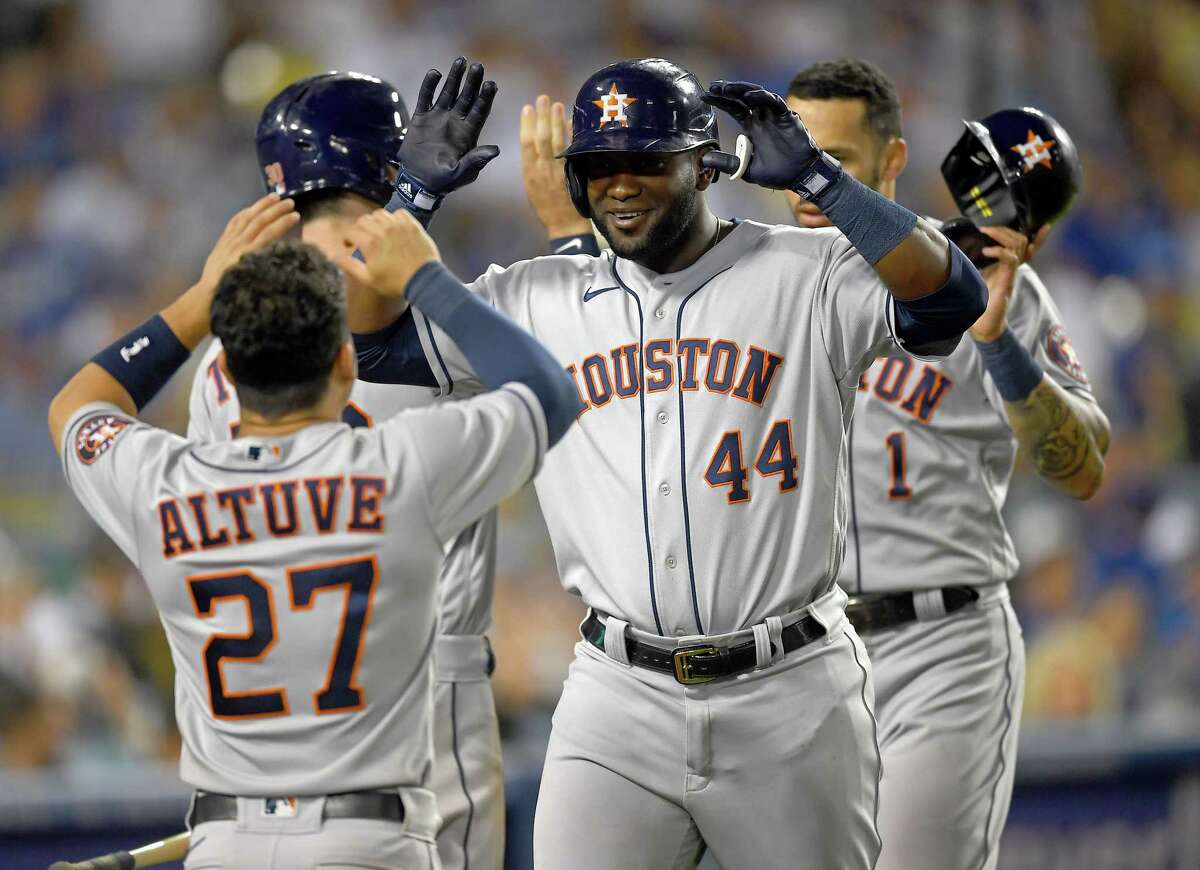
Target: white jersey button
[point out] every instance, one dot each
(660, 313)
(663, 417)
(671, 563)
(665, 488)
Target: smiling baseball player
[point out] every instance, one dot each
(328, 142)
(719, 696)
(932, 447)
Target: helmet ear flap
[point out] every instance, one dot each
(577, 188)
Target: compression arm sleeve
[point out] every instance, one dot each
(934, 324)
(498, 350)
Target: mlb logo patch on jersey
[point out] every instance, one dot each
(1062, 354)
(279, 808)
(97, 435)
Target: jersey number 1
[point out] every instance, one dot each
(355, 578)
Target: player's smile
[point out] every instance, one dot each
(628, 220)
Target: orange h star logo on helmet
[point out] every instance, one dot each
(613, 104)
(1034, 150)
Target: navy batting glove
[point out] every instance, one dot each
(440, 152)
(785, 157)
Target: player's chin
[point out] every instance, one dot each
(628, 237)
(809, 216)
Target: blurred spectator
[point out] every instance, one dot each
(126, 138)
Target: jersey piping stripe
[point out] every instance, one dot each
(539, 453)
(462, 774)
(437, 351)
(687, 520)
(1008, 720)
(612, 262)
(854, 511)
(273, 468)
(875, 739)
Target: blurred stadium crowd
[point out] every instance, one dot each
(126, 141)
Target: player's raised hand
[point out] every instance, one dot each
(440, 151)
(783, 148)
(393, 245)
(251, 229)
(1012, 248)
(545, 132)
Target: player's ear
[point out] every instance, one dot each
(704, 176)
(345, 364)
(895, 158)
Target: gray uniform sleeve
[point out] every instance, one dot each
(474, 453)
(454, 374)
(1037, 324)
(854, 311)
(105, 454)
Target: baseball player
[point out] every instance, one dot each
(295, 568)
(719, 696)
(328, 143)
(932, 447)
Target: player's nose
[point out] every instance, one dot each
(623, 186)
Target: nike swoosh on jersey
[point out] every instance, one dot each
(590, 294)
(574, 244)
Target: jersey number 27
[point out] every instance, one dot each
(355, 579)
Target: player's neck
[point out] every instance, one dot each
(282, 427)
(327, 410)
(367, 311)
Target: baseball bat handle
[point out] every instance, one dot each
(151, 855)
(113, 861)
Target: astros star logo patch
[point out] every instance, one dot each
(97, 434)
(613, 106)
(1034, 150)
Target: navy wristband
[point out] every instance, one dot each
(144, 359)
(873, 223)
(584, 243)
(412, 196)
(1012, 367)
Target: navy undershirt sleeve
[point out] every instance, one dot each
(393, 355)
(934, 324)
(497, 349)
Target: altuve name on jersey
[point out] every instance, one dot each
(280, 509)
(719, 365)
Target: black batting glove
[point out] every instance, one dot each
(439, 153)
(785, 157)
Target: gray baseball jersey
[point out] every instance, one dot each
(931, 458)
(469, 571)
(703, 487)
(296, 578)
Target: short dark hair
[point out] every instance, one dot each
(321, 203)
(850, 79)
(281, 315)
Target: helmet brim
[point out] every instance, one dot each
(614, 138)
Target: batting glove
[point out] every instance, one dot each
(784, 154)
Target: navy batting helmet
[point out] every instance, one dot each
(637, 105)
(337, 130)
(1016, 168)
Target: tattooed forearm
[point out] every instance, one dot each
(1054, 432)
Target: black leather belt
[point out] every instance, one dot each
(705, 663)
(875, 612)
(385, 806)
